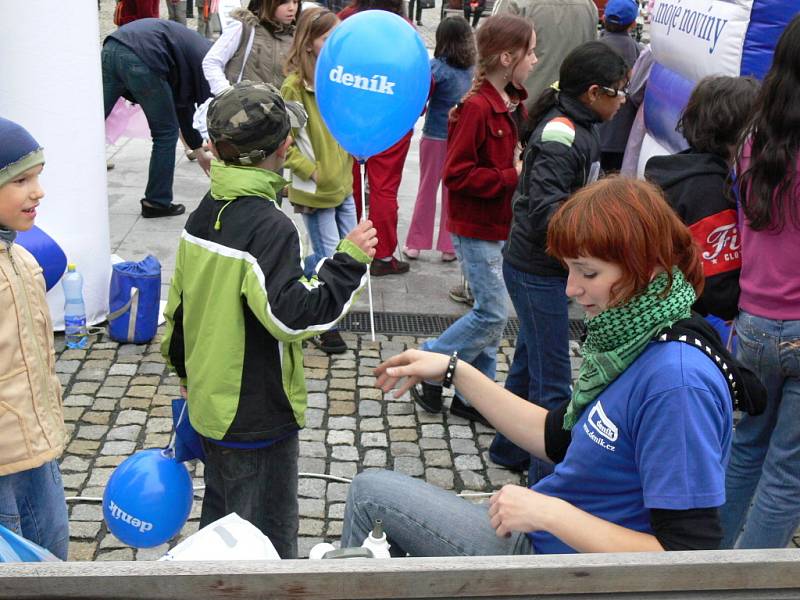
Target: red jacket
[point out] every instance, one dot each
(133, 10)
(479, 167)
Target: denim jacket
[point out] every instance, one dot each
(450, 86)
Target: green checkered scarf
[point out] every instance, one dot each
(618, 335)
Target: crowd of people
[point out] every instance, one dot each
(531, 209)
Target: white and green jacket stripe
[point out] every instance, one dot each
(239, 307)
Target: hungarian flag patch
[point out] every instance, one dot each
(559, 130)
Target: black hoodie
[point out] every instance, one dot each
(694, 184)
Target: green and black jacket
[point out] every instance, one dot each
(239, 307)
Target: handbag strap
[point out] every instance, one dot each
(131, 305)
(247, 52)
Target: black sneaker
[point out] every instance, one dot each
(330, 342)
(428, 396)
(154, 211)
(459, 409)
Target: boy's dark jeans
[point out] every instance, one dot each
(259, 485)
(125, 73)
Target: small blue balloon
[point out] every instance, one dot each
(47, 253)
(372, 80)
(148, 498)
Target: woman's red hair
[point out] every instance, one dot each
(627, 222)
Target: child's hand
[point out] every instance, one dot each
(364, 236)
(414, 365)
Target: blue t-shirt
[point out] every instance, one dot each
(451, 85)
(659, 436)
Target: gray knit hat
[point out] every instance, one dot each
(18, 151)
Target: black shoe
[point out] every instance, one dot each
(154, 211)
(428, 396)
(330, 342)
(419, 23)
(459, 409)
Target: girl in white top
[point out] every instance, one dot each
(254, 46)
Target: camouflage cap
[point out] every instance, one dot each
(253, 118)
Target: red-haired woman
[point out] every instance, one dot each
(641, 445)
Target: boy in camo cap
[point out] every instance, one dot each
(238, 309)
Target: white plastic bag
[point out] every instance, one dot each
(228, 538)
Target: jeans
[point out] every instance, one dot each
(32, 505)
(540, 371)
(125, 73)
(326, 227)
(477, 334)
(177, 10)
(260, 485)
(421, 519)
(765, 458)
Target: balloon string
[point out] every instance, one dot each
(361, 173)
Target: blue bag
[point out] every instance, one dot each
(186, 441)
(15, 548)
(133, 300)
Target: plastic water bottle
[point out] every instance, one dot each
(376, 541)
(74, 309)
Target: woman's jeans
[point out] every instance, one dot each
(124, 72)
(765, 458)
(32, 505)
(326, 228)
(421, 519)
(477, 334)
(540, 371)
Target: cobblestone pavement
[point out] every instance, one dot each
(117, 401)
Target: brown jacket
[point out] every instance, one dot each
(32, 428)
(267, 56)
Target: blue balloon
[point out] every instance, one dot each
(47, 253)
(148, 498)
(372, 80)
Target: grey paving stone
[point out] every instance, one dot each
(86, 512)
(122, 369)
(131, 350)
(438, 458)
(336, 511)
(84, 530)
(334, 529)
(151, 368)
(73, 481)
(344, 453)
(311, 488)
(315, 527)
(63, 379)
(153, 553)
(432, 444)
(313, 449)
(104, 404)
(460, 431)
(91, 374)
(160, 425)
(341, 436)
(126, 433)
(311, 507)
(432, 431)
(372, 425)
(403, 435)
(472, 480)
(74, 463)
(467, 462)
(92, 432)
(78, 400)
(316, 385)
(374, 440)
(337, 492)
(500, 477)
(67, 366)
(118, 448)
(347, 470)
(131, 417)
(317, 401)
(311, 435)
(461, 446)
(442, 478)
(409, 465)
(375, 458)
(314, 417)
(99, 477)
(121, 554)
(399, 408)
(111, 392)
(310, 465)
(402, 421)
(305, 544)
(404, 449)
(84, 387)
(341, 423)
(369, 408)
(484, 441)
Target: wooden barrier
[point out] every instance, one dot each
(718, 574)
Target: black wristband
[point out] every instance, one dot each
(451, 370)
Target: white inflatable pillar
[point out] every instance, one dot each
(50, 83)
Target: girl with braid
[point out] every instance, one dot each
(480, 172)
(641, 443)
